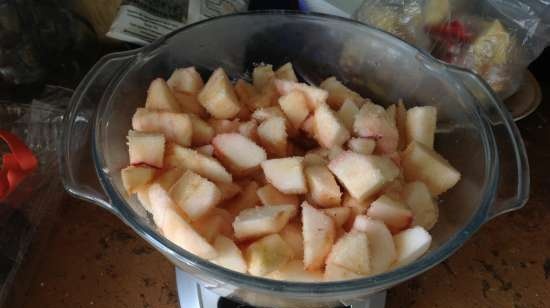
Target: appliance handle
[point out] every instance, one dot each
(514, 181)
(75, 147)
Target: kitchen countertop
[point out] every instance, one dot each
(93, 260)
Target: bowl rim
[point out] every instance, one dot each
(377, 282)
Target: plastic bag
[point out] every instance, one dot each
(495, 38)
(30, 209)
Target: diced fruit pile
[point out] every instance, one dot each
(285, 180)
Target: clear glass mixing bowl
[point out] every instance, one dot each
(474, 132)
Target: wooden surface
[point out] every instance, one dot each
(93, 260)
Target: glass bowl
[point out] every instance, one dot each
(474, 132)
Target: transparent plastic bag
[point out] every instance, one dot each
(30, 209)
(495, 38)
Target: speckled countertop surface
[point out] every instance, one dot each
(94, 260)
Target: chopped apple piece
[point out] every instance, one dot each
(294, 271)
(267, 254)
(262, 114)
(318, 232)
(286, 72)
(262, 75)
(410, 245)
(204, 165)
(218, 96)
(294, 106)
(392, 112)
(142, 194)
(334, 152)
(392, 212)
(420, 125)
(210, 226)
(134, 177)
(394, 188)
(169, 177)
(329, 130)
(400, 122)
(425, 211)
(246, 199)
(338, 93)
(245, 92)
(357, 207)
(363, 175)
(323, 189)
(229, 255)
(176, 127)
(263, 220)
(228, 190)
(362, 145)
(146, 148)
(224, 126)
(186, 80)
(206, 150)
(315, 96)
(202, 131)
(340, 215)
(352, 251)
(273, 136)
(175, 227)
(381, 246)
(195, 195)
(286, 174)
(335, 272)
(268, 96)
(249, 129)
(309, 126)
(240, 152)
(160, 201)
(313, 158)
(269, 195)
(292, 234)
(421, 163)
(189, 103)
(160, 97)
(347, 113)
(373, 121)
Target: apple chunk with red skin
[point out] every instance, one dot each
(204, 165)
(218, 97)
(382, 249)
(160, 97)
(260, 221)
(373, 121)
(175, 227)
(286, 174)
(146, 148)
(238, 151)
(328, 129)
(134, 177)
(338, 93)
(420, 163)
(319, 233)
(363, 175)
(410, 245)
(176, 127)
(392, 212)
(323, 189)
(195, 195)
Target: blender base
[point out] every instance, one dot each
(192, 295)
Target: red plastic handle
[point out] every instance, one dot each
(15, 165)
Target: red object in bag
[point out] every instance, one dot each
(15, 165)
